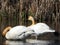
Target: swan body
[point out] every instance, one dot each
(40, 28)
(13, 32)
(18, 32)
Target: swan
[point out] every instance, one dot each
(20, 32)
(39, 28)
(17, 32)
(12, 32)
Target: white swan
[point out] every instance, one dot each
(39, 28)
(17, 32)
(12, 33)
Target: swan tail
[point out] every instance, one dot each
(51, 30)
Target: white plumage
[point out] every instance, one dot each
(40, 28)
(18, 32)
(14, 32)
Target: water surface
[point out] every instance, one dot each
(31, 42)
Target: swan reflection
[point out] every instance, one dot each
(9, 42)
(28, 42)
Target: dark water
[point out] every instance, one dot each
(31, 42)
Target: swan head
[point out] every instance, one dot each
(31, 19)
(6, 30)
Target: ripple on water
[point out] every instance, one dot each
(32, 42)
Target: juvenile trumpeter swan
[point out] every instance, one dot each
(39, 28)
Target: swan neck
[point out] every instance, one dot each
(6, 30)
(33, 22)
